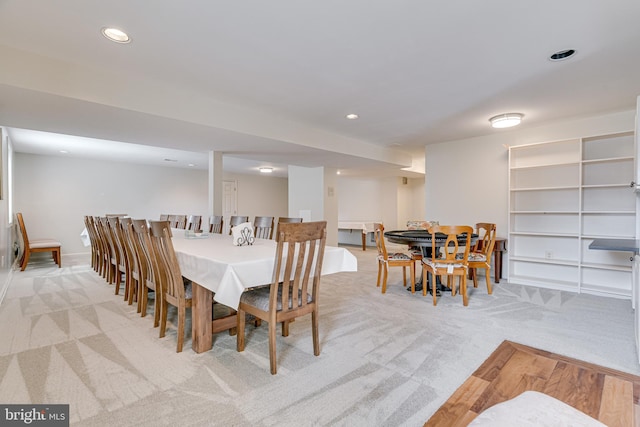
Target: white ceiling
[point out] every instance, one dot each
(269, 83)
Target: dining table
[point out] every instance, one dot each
(364, 227)
(422, 239)
(221, 271)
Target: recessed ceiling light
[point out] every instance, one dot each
(352, 116)
(63, 151)
(506, 120)
(266, 170)
(562, 55)
(115, 35)
(170, 160)
(192, 165)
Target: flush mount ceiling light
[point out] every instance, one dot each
(506, 120)
(352, 116)
(562, 55)
(116, 35)
(266, 170)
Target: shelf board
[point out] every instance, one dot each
(608, 212)
(546, 212)
(553, 261)
(608, 160)
(605, 236)
(538, 233)
(546, 165)
(586, 186)
(626, 269)
(567, 187)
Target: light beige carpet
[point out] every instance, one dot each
(386, 360)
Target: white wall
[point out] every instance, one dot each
(54, 193)
(379, 199)
(260, 195)
(467, 180)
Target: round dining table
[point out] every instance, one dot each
(422, 239)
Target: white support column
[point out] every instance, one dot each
(215, 183)
(312, 195)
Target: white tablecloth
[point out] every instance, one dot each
(365, 226)
(227, 270)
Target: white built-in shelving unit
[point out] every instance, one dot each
(562, 195)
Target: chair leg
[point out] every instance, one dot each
(379, 273)
(142, 299)
(463, 290)
(488, 276)
(384, 279)
(163, 317)
(474, 275)
(404, 276)
(425, 280)
(133, 292)
(272, 347)
(314, 332)
(157, 310)
(182, 316)
(25, 259)
(434, 292)
(285, 328)
(240, 330)
(413, 278)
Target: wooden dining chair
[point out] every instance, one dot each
(177, 221)
(100, 245)
(106, 269)
(263, 227)
(394, 259)
(235, 220)
(295, 287)
(164, 217)
(194, 222)
(449, 260)
(480, 254)
(132, 276)
(173, 288)
(120, 260)
(95, 252)
(216, 224)
(37, 245)
(148, 269)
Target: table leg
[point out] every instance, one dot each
(364, 241)
(201, 315)
(497, 264)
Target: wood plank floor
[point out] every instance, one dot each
(610, 396)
